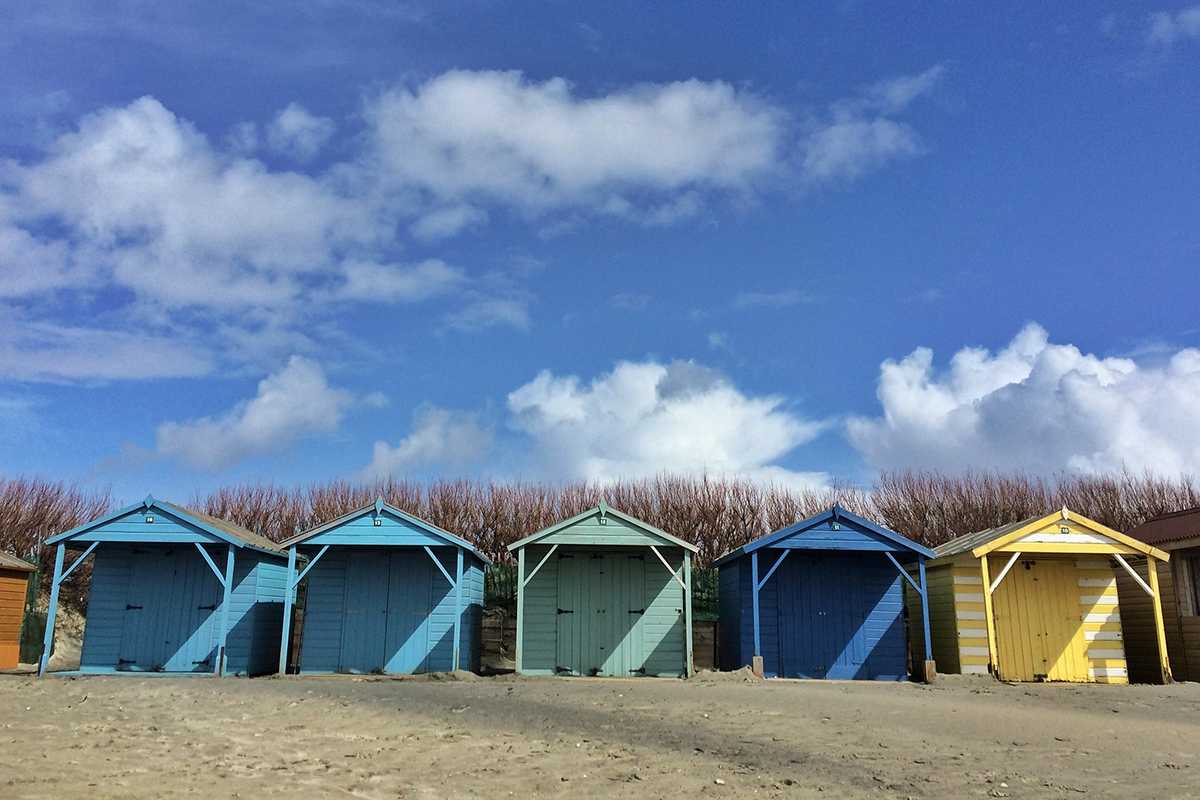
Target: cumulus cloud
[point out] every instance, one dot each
(292, 404)
(643, 418)
(1166, 28)
(439, 436)
(366, 280)
(1035, 406)
(297, 133)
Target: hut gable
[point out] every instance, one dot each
(602, 525)
(380, 524)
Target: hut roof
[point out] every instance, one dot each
(12, 562)
(835, 513)
(981, 543)
(1172, 527)
(379, 507)
(221, 528)
(603, 510)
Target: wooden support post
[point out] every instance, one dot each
(289, 598)
(458, 607)
(754, 604)
(993, 661)
(930, 666)
(1159, 630)
(225, 603)
(756, 666)
(689, 663)
(520, 605)
(48, 641)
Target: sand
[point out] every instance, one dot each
(713, 736)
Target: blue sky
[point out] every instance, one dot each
(539, 241)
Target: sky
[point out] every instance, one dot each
(551, 241)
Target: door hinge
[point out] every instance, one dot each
(121, 661)
(206, 662)
(132, 608)
(637, 611)
(638, 671)
(213, 607)
(593, 672)
(596, 555)
(563, 670)
(565, 611)
(565, 555)
(640, 556)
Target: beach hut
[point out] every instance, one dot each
(1036, 600)
(1178, 534)
(386, 592)
(174, 590)
(823, 598)
(605, 594)
(14, 581)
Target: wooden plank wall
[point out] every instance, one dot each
(1100, 607)
(1137, 617)
(12, 611)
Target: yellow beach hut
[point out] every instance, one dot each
(1036, 600)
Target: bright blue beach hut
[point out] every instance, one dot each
(173, 590)
(386, 592)
(821, 599)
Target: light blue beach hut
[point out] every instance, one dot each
(173, 590)
(386, 592)
(821, 599)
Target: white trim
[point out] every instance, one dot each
(971, 615)
(1103, 636)
(972, 633)
(974, 669)
(1107, 654)
(1101, 617)
(1106, 583)
(973, 651)
(969, 597)
(972, 580)
(1145, 586)
(1108, 672)
(1003, 572)
(1099, 600)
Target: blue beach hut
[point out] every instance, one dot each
(173, 590)
(820, 599)
(386, 592)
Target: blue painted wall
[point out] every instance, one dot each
(149, 609)
(833, 609)
(389, 609)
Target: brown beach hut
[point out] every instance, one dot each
(14, 580)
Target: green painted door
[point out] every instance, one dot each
(601, 602)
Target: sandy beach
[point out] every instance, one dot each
(718, 735)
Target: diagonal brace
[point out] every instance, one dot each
(545, 558)
(211, 564)
(445, 573)
(670, 569)
(77, 562)
(904, 572)
(311, 564)
(774, 567)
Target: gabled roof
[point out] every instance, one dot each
(12, 562)
(834, 513)
(981, 543)
(1171, 527)
(603, 510)
(380, 507)
(221, 528)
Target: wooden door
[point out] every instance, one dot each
(601, 602)
(194, 598)
(409, 605)
(364, 622)
(1039, 625)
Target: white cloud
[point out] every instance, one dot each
(509, 308)
(859, 136)
(1038, 407)
(291, 405)
(1167, 28)
(497, 137)
(297, 133)
(439, 436)
(40, 351)
(367, 280)
(443, 223)
(644, 418)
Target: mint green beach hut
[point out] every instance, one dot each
(604, 594)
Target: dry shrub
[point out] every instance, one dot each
(715, 513)
(34, 509)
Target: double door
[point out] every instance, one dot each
(601, 605)
(170, 612)
(822, 608)
(386, 618)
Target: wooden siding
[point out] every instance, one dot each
(1137, 623)
(408, 585)
(731, 606)
(13, 584)
(660, 645)
(615, 531)
(846, 536)
(943, 628)
(171, 611)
